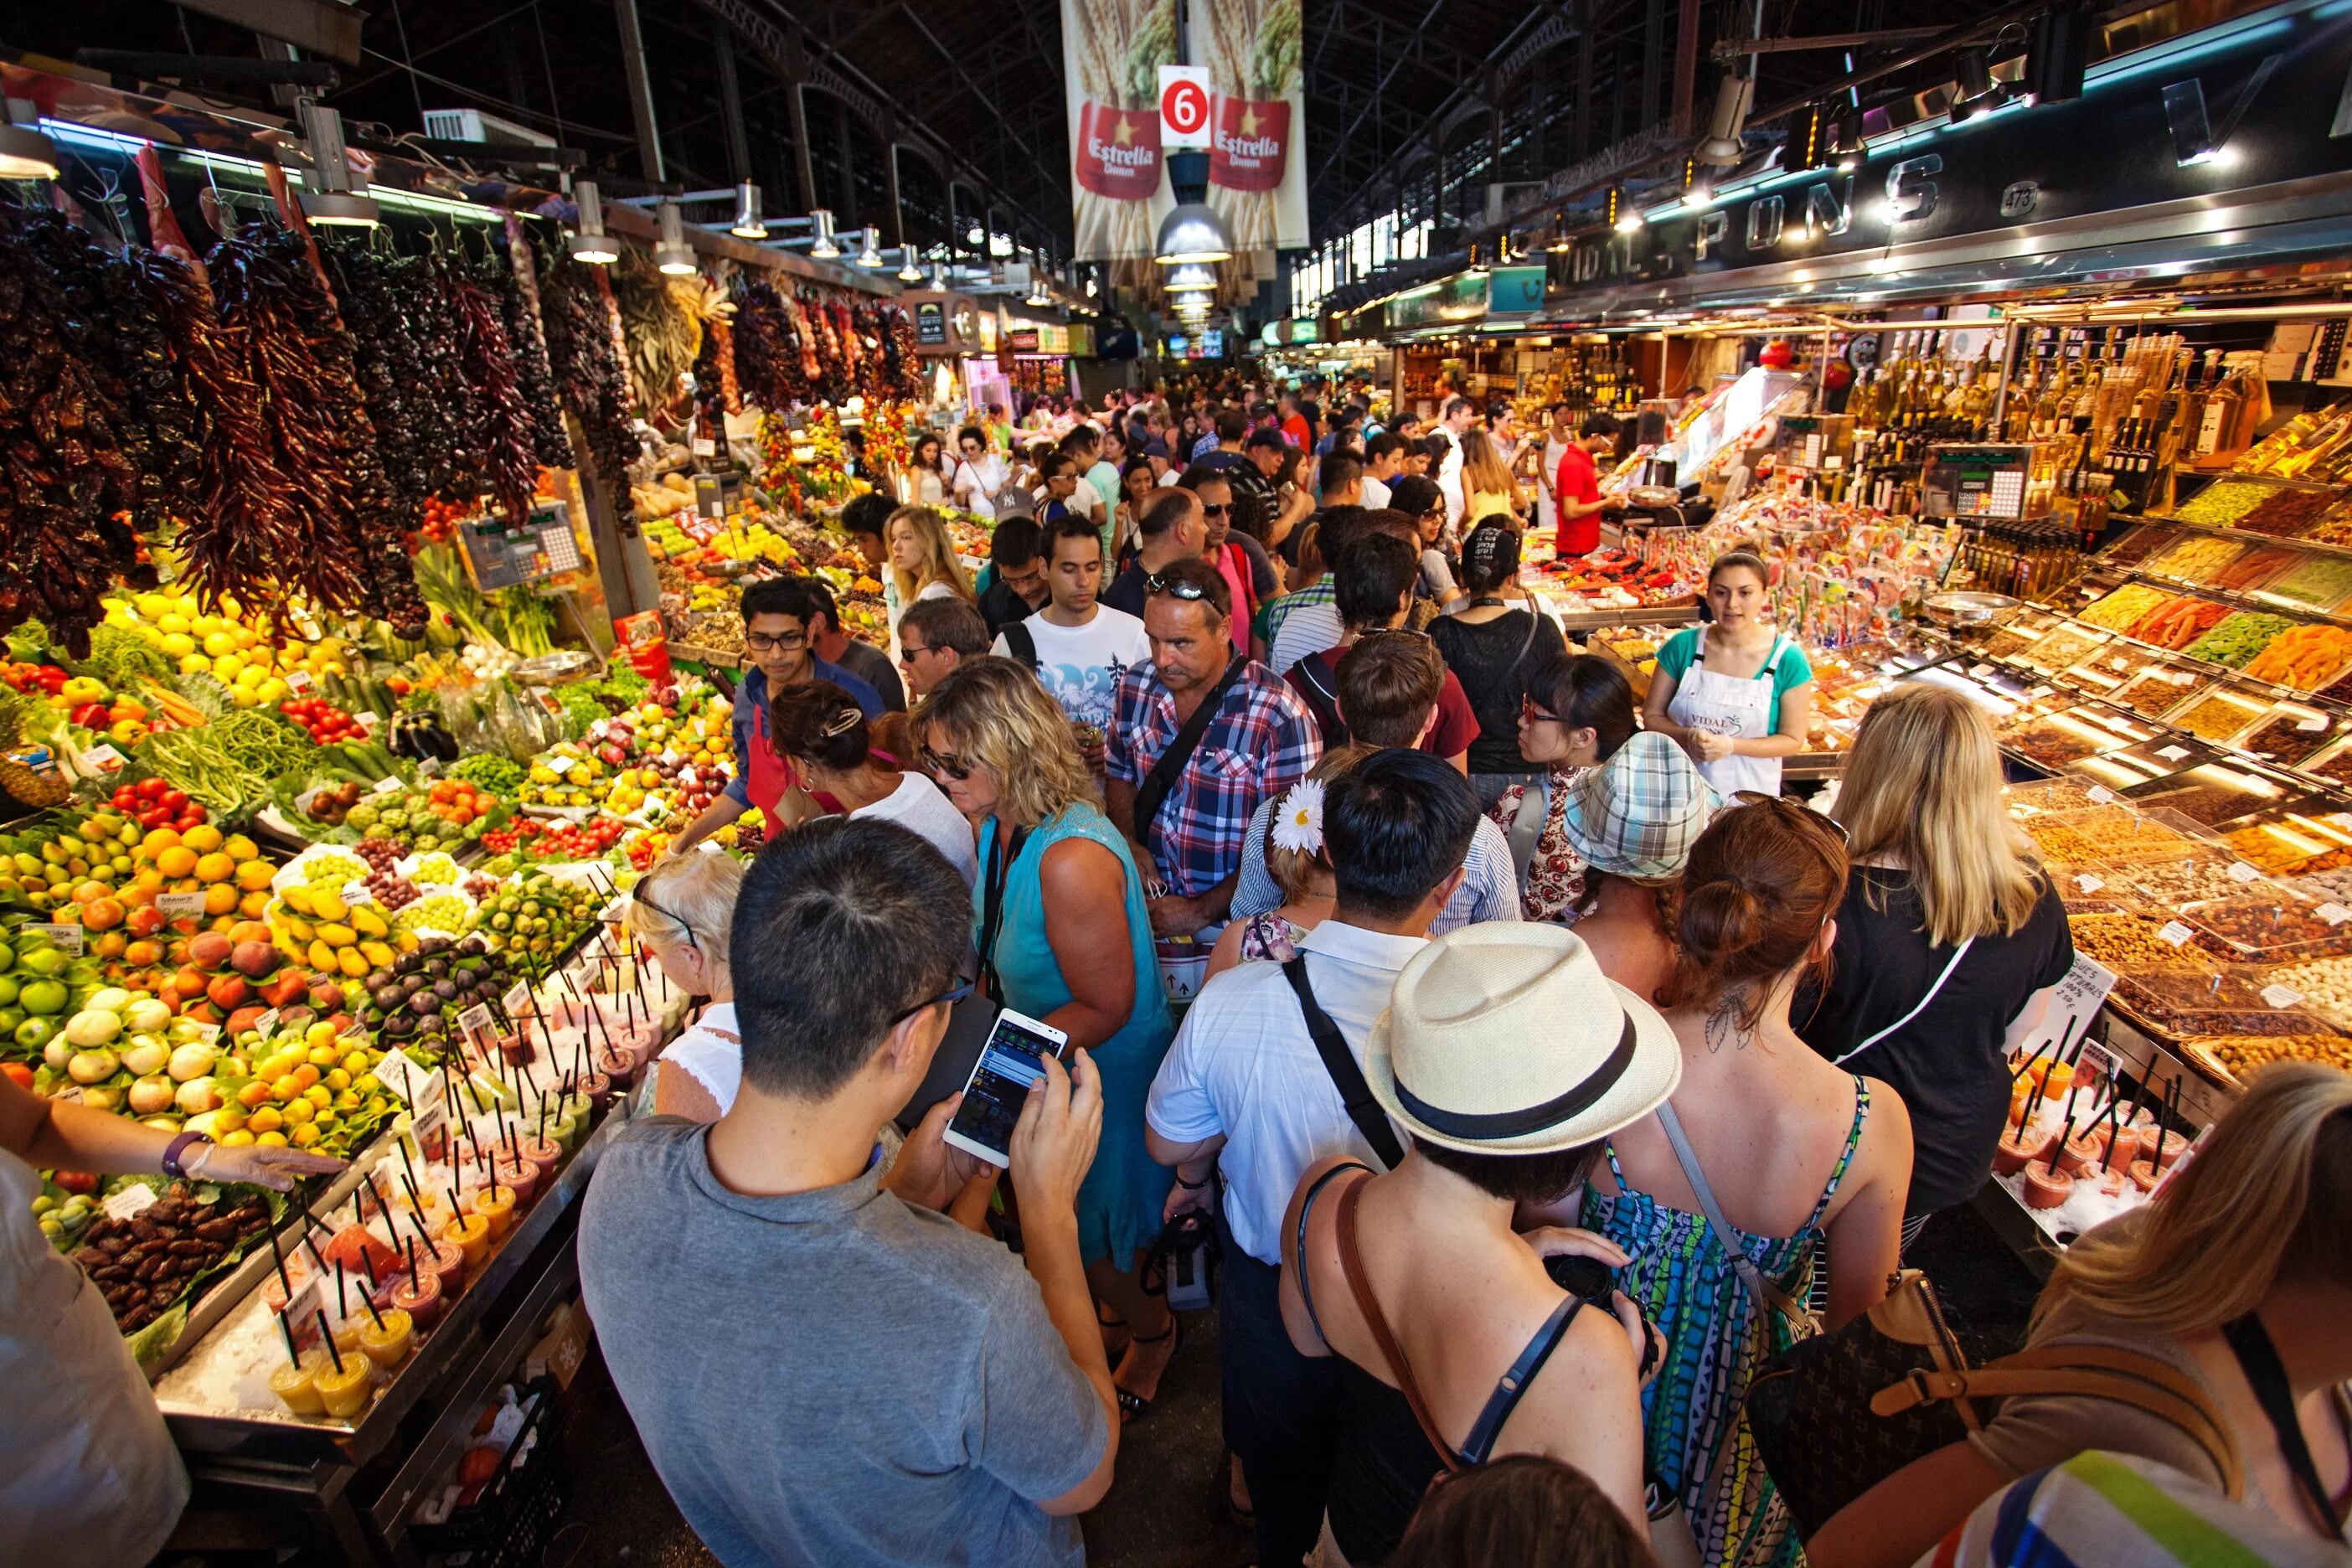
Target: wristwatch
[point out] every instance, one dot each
(171, 1153)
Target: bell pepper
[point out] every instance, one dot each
(89, 715)
(82, 688)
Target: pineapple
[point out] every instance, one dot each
(18, 778)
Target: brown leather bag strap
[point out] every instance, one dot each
(1351, 1264)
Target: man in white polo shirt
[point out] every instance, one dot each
(1245, 1089)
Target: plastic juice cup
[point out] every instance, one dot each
(544, 1152)
(447, 1263)
(565, 1130)
(419, 1298)
(471, 1234)
(596, 1086)
(344, 1393)
(298, 1385)
(387, 1346)
(347, 1332)
(519, 1173)
(494, 1206)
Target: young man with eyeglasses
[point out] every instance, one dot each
(1171, 528)
(823, 1367)
(1078, 645)
(934, 636)
(777, 615)
(1258, 740)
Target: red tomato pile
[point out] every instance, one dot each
(521, 831)
(326, 722)
(153, 803)
(579, 840)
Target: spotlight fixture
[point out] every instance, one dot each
(1722, 149)
(2057, 54)
(749, 224)
(908, 272)
(590, 245)
(1191, 274)
(869, 253)
(1192, 232)
(820, 226)
(24, 152)
(938, 278)
(671, 253)
(976, 236)
(1977, 92)
(328, 196)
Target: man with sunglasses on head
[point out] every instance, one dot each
(1171, 528)
(824, 1366)
(778, 615)
(1200, 736)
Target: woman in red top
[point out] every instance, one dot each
(1576, 490)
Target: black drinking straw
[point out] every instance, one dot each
(2066, 1119)
(411, 1245)
(286, 1330)
(328, 1334)
(2107, 1156)
(2172, 1109)
(342, 1302)
(416, 1205)
(408, 1163)
(367, 1300)
(278, 1257)
(367, 1264)
(2026, 1066)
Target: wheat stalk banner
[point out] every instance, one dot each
(1112, 54)
(1257, 154)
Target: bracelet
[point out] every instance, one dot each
(1190, 1186)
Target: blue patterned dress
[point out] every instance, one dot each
(1714, 1342)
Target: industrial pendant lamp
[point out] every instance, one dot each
(908, 272)
(1192, 232)
(24, 152)
(1976, 91)
(329, 198)
(749, 224)
(590, 245)
(671, 253)
(1722, 148)
(868, 252)
(820, 226)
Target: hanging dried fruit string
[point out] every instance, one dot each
(410, 436)
(502, 431)
(518, 291)
(65, 533)
(589, 376)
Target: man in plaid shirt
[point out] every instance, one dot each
(1260, 741)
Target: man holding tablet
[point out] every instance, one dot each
(823, 1367)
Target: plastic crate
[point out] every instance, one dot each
(508, 1526)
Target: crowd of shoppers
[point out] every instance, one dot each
(1432, 981)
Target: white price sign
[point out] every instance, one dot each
(130, 1201)
(2076, 998)
(69, 938)
(175, 905)
(2175, 932)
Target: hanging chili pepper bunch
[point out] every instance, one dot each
(162, 427)
(391, 377)
(710, 380)
(501, 432)
(534, 382)
(588, 372)
(767, 359)
(804, 338)
(905, 365)
(426, 306)
(64, 532)
(297, 351)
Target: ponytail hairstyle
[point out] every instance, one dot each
(1297, 872)
(1490, 557)
(1761, 882)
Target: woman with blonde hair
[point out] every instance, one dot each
(1064, 937)
(1486, 482)
(2237, 1277)
(1948, 941)
(1301, 867)
(684, 910)
(923, 564)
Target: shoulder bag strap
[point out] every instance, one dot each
(2092, 1372)
(2259, 1360)
(1326, 704)
(1512, 1385)
(1952, 963)
(1351, 1264)
(1021, 642)
(1005, 851)
(1519, 658)
(1527, 825)
(1767, 1296)
(1170, 765)
(1340, 1063)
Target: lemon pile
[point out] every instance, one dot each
(234, 648)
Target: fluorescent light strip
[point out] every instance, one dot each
(68, 131)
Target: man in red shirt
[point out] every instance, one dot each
(1295, 428)
(1577, 487)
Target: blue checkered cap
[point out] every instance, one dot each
(1638, 814)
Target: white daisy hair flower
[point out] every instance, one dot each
(1298, 820)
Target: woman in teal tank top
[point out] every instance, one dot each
(1060, 917)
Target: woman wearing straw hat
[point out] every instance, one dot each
(1633, 821)
(1766, 1158)
(1505, 1056)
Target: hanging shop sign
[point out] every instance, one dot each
(1448, 303)
(1257, 143)
(931, 324)
(1515, 292)
(1185, 111)
(2246, 104)
(1113, 52)
(1212, 344)
(1021, 339)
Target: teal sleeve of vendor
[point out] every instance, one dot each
(1677, 653)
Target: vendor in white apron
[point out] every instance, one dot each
(1737, 694)
(88, 1473)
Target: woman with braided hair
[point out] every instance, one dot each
(1727, 1196)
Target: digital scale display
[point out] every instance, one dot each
(1977, 484)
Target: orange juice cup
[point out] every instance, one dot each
(471, 1234)
(388, 1345)
(344, 1390)
(297, 1385)
(494, 1206)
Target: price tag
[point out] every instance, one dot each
(1980, 670)
(2243, 872)
(399, 1072)
(2078, 995)
(356, 893)
(558, 766)
(302, 1309)
(387, 785)
(2089, 883)
(2172, 754)
(207, 1033)
(688, 777)
(2282, 996)
(474, 1018)
(517, 998)
(367, 719)
(2333, 914)
(429, 1129)
(101, 758)
(2175, 932)
(175, 905)
(66, 938)
(130, 1201)
(2100, 794)
(298, 681)
(2314, 724)
(600, 729)
(704, 447)
(267, 1025)
(2037, 693)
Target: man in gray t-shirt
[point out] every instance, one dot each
(824, 1369)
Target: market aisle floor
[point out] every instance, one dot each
(1165, 1510)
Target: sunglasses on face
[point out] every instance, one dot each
(1214, 510)
(909, 652)
(946, 763)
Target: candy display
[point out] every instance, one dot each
(2126, 607)
(2256, 568)
(2121, 941)
(2224, 501)
(2060, 649)
(2219, 714)
(2180, 623)
(2287, 513)
(2158, 690)
(2320, 581)
(2241, 1056)
(2288, 736)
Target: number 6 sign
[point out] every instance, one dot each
(1183, 106)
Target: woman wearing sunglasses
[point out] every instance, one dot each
(684, 910)
(1065, 936)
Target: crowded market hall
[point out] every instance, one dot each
(1509, 669)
